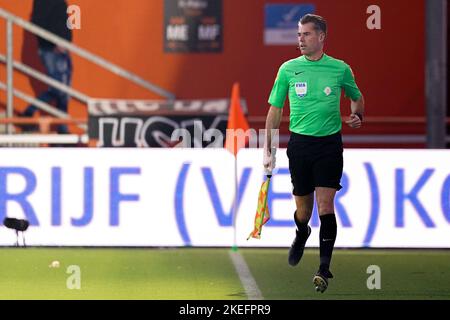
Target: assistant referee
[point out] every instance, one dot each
(313, 83)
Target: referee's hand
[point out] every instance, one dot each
(269, 160)
(354, 121)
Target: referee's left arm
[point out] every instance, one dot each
(356, 117)
(357, 100)
(357, 107)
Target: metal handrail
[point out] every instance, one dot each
(40, 104)
(47, 80)
(11, 65)
(85, 54)
(45, 119)
(43, 139)
(9, 73)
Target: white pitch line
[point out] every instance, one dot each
(247, 280)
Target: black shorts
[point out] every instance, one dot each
(315, 162)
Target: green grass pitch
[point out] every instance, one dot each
(209, 273)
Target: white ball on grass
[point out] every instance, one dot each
(54, 264)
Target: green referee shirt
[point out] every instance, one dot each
(314, 90)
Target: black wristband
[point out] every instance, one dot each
(360, 116)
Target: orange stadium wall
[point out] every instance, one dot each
(388, 63)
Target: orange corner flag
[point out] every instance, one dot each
(235, 138)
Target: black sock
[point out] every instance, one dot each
(328, 230)
(302, 228)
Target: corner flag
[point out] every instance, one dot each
(236, 120)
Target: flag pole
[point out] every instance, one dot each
(236, 121)
(235, 205)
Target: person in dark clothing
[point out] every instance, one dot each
(52, 16)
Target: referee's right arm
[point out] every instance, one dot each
(276, 101)
(273, 121)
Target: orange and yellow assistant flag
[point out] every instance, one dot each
(262, 211)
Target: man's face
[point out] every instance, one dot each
(310, 40)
